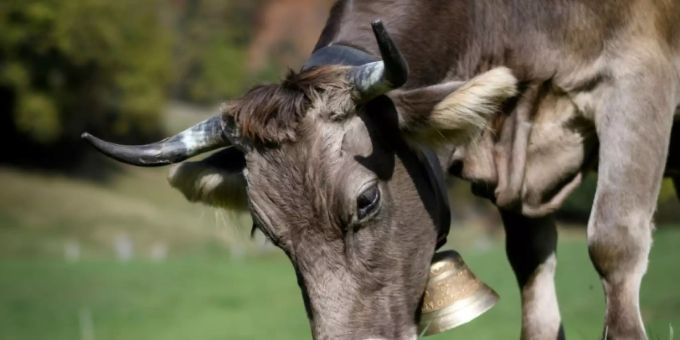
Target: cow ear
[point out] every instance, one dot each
(217, 180)
(453, 112)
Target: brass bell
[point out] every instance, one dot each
(453, 295)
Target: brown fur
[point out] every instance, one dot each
(270, 114)
(360, 279)
(603, 70)
(594, 72)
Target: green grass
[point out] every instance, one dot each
(579, 291)
(256, 298)
(40, 212)
(203, 292)
(181, 299)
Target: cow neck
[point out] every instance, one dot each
(338, 54)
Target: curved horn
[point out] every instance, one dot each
(204, 136)
(376, 78)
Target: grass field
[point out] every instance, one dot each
(206, 290)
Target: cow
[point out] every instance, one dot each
(521, 98)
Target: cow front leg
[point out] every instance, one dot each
(530, 246)
(633, 127)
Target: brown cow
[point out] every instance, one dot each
(334, 176)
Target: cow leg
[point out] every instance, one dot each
(530, 246)
(633, 127)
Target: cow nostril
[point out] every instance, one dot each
(456, 167)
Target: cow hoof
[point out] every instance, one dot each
(453, 296)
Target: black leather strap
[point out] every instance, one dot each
(338, 55)
(438, 183)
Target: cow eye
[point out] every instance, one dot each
(368, 202)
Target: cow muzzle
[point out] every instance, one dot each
(453, 296)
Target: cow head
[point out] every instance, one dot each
(330, 171)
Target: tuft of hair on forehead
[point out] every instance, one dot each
(271, 114)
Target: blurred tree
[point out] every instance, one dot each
(286, 33)
(577, 207)
(212, 37)
(70, 66)
(109, 66)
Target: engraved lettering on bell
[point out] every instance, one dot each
(453, 295)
